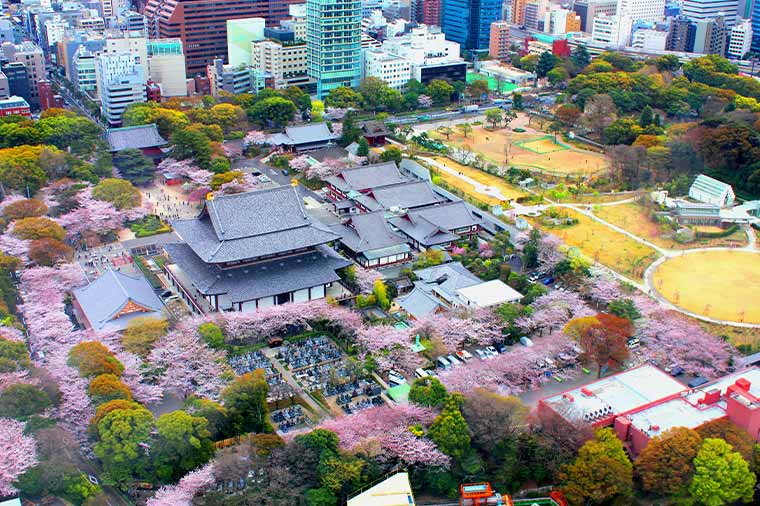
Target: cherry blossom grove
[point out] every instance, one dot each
(509, 373)
(383, 432)
(18, 452)
(553, 310)
(186, 168)
(96, 216)
(189, 486)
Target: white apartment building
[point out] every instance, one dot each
(134, 42)
(741, 40)
(55, 30)
(555, 21)
(394, 70)
(121, 81)
(642, 10)
(95, 24)
(297, 21)
(703, 10)
(611, 31)
(649, 40)
(285, 64)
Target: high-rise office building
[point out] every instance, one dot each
(531, 17)
(202, 24)
(587, 10)
(121, 82)
(499, 43)
(32, 57)
(85, 74)
(240, 34)
(468, 22)
(17, 76)
(333, 43)
(701, 10)
(611, 31)
(710, 36)
(680, 35)
(756, 27)
(431, 12)
(517, 12)
(644, 10)
(166, 66)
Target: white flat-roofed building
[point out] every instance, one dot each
(741, 40)
(711, 191)
(394, 70)
(488, 294)
(393, 491)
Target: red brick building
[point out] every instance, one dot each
(48, 98)
(431, 12)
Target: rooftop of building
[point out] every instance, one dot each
(711, 186)
(107, 296)
(431, 225)
(251, 225)
(366, 177)
(489, 293)
(392, 491)
(614, 394)
(134, 137)
(367, 232)
(262, 279)
(406, 195)
(304, 134)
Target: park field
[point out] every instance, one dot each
(528, 151)
(509, 191)
(606, 246)
(635, 219)
(720, 284)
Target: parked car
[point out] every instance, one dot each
(634, 343)
(443, 363)
(454, 360)
(464, 355)
(697, 382)
(492, 351)
(481, 354)
(500, 347)
(548, 281)
(677, 371)
(525, 341)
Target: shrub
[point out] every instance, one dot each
(142, 333)
(93, 359)
(28, 208)
(107, 387)
(212, 334)
(13, 355)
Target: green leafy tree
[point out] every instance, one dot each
(647, 117)
(183, 444)
(193, 144)
(246, 402)
(20, 401)
(214, 413)
(13, 355)
(601, 472)
(428, 392)
(440, 91)
(391, 154)
(478, 88)
(122, 436)
(665, 466)
(351, 133)
(343, 97)
(142, 333)
(118, 192)
(530, 250)
(721, 475)
(465, 128)
(363, 149)
(167, 120)
(494, 117)
(134, 166)
(580, 56)
(20, 168)
(373, 91)
(274, 111)
(212, 334)
(517, 101)
(380, 292)
(449, 430)
(321, 496)
(622, 131)
(557, 75)
(107, 387)
(624, 308)
(545, 63)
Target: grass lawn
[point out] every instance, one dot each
(719, 284)
(540, 153)
(506, 87)
(634, 218)
(612, 249)
(510, 191)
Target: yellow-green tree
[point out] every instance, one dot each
(118, 192)
(142, 333)
(721, 475)
(600, 472)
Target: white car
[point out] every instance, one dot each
(464, 355)
(492, 351)
(264, 179)
(481, 355)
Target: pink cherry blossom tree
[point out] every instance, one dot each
(553, 310)
(186, 168)
(255, 137)
(18, 452)
(189, 486)
(549, 253)
(425, 101)
(383, 432)
(365, 278)
(300, 163)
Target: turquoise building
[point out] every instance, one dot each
(333, 43)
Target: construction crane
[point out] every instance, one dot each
(482, 494)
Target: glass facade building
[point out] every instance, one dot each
(468, 22)
(333, 43)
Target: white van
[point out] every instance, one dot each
(525, 341)
(397, 378)
(421, 373)
(443, 363)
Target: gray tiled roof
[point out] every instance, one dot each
(102, 299)
(419, 303)
(431, 225)
(408, 195)
(262, 279)
(422, 231)
(366, 232)
(252, 224)
(445, 279)
(311, 132)
(366, 177)
(137, 137)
